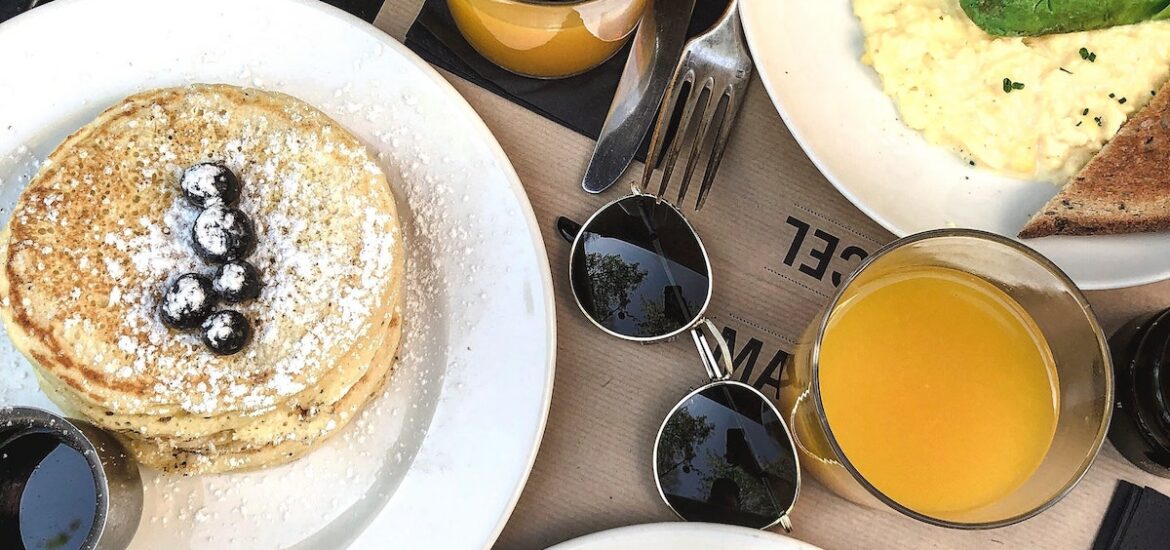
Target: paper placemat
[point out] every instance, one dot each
(819, 249)
(780, 239)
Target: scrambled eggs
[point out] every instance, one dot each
(1037, 107)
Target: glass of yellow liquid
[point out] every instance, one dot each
(547, 38)
(958, 377)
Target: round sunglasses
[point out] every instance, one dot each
(639, 271)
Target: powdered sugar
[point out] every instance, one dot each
(350, 476)
(300, 261)
(223, 232)
(184, 297)
(231, 279)
(200, 181)
(218, 328)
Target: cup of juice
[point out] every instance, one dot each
(547, 38)
(957, 377)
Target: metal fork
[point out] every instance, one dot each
(713, 71)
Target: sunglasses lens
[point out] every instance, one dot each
(724, 456)
(638, 269)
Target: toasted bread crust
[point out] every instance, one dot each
(1124, 189)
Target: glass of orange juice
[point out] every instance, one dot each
(547, 38)
(958, 377)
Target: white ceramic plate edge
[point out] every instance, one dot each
(517, 189)
(683, 536)
(456, 101)
(1057, 248)
(746, 8)
(518, 192)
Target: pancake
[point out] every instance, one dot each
(103, 229)
(291, 420)
(255, 448)
(332, 386)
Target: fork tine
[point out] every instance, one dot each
(720, 145)
(684, 124)
(661, 127)
(709, 110)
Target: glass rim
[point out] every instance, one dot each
(1026, 252)
(702, 311)
(561, 3)
(783, 516)
(24, 421)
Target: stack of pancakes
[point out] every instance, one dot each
(103, 229)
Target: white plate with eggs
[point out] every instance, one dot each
(808, 54)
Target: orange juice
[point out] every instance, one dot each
(547, 39)
(939, 388)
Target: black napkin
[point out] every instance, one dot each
(1138, 518)
(365, 9)
(579, 103)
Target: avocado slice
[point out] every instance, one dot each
(1039, 17)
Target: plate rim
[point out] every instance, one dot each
(753, 31)
(536, 236)
(636, 532)
(454, 100)
(750, 30)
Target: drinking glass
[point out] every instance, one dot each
(547, 38)
(1064, 318)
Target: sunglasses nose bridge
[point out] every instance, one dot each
(718, 365)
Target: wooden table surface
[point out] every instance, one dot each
(593, 471)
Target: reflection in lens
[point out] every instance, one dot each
(638, 269)
(724, 456)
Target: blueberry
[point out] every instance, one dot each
(237, 281)
(187, 302)
(226, 332)
(222, 234)
(209, 183)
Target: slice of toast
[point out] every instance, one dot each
(1124, 189)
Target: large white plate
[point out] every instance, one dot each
(439, 461)
(808, 54)
(683, 536)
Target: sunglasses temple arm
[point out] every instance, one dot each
(718, 366)
(568, 229)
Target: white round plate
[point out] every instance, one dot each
(808, 54)
(440, 459)
(683, 536)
